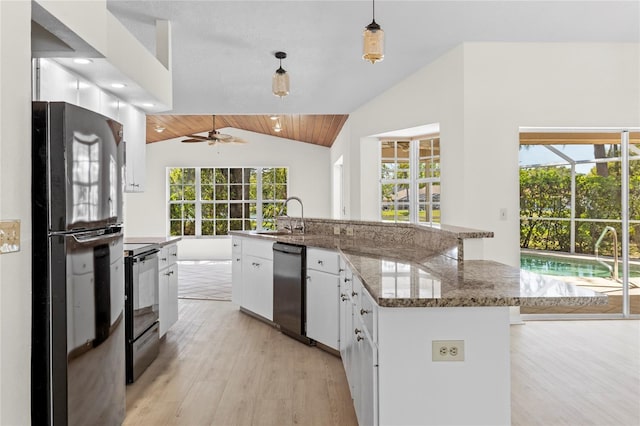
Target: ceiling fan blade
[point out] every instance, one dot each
(193, 140)
(223, 137)
(237, 140)
(202, 138)
(212, 141)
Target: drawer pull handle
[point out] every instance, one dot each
(174, 254)
(320, 262)
(341, 270)
(257, 265)
(346, 280)
(169, 273)
(343, 297)
(359, 338)
(364, 311)
(357, 331)
(353, 294)
(238, 259)
(164, 259)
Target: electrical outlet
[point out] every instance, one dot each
(349, 231)
(447, 350)
(9, 236)
(336, 230)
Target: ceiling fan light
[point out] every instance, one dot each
(373, 43)
(280, 83)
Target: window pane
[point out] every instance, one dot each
(206, 176)
(222, 192)
(189, 210)
(388, 149)
(207, 227)
(387, 192)
(189, 192)
(435, 195)
(235, 192)
(435, 212)
(190, 176)
(175, 192)
(176, 227)
(235, 175)
(222, 211)
(422, 213)
(388, 170)
(207, 211)
(281, 175)
(206, 192)
(423, 192)
(268, 176)
(189, 227)
(222, 227)
(268, 192)
(175, 176)
(235, 210)
(222, 175)
(281, 192)
(403, 169)
(235, 225)
(403, 150)
(175, 211)
(252, 224)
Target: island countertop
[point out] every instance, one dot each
(401, 275)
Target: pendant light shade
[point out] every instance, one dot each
(373, 41)
(280, 81)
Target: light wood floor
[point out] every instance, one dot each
(218, 366)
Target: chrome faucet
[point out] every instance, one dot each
(290, 227)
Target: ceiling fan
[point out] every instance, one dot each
(214, 137)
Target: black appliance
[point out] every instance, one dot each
(77, 355)
(141, 308)
(289, 290)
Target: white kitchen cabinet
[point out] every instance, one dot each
(109, 105)
(134, 134)
(365, 372)
(236, 270)
(168, 287)
(56, 84)
(322, 297)
(257, 285)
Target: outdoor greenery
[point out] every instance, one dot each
(545, 192)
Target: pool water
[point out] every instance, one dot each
(569, 267)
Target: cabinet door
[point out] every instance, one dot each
(171, 315)
(257, 286)
(367, 406)
(323, 316)
(135, 133)
(163, 300)
(236, 280)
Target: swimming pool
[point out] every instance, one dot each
(567, 266)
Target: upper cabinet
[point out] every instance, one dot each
(56, 83)
(134, 127)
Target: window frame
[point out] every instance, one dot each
(259, 222)
(414, 181)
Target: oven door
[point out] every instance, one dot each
(144, 291)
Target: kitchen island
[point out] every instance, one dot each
(422, 332)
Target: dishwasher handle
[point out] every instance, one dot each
(288, 248)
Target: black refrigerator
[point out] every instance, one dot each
(78, 338)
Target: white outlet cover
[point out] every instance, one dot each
(447, 350)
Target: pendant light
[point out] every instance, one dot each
(280, 83)
(373, 38)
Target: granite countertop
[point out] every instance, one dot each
(415, 277)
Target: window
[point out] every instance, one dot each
(211, 201)
(410, 180)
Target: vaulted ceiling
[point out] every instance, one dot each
(315, 129)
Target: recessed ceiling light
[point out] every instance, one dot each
(148, 104)
(82, 61)
(118, 85)
(159, 129)
(274, 117)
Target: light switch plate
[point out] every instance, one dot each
(9, 236)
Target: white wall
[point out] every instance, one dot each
(481, 93)
(15, 182)
(309, 178)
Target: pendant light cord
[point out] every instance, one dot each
(374, 9)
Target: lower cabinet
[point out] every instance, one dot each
(168, 288)
(257, 285)
(323, 289)
(236, 270)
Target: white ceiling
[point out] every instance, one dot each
(223, 50)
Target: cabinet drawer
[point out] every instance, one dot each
(323, 260)
(258, 248)
(163, 258)
(236, 246)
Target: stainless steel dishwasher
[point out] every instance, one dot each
(289, 290)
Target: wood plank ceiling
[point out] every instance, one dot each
(315, 129)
